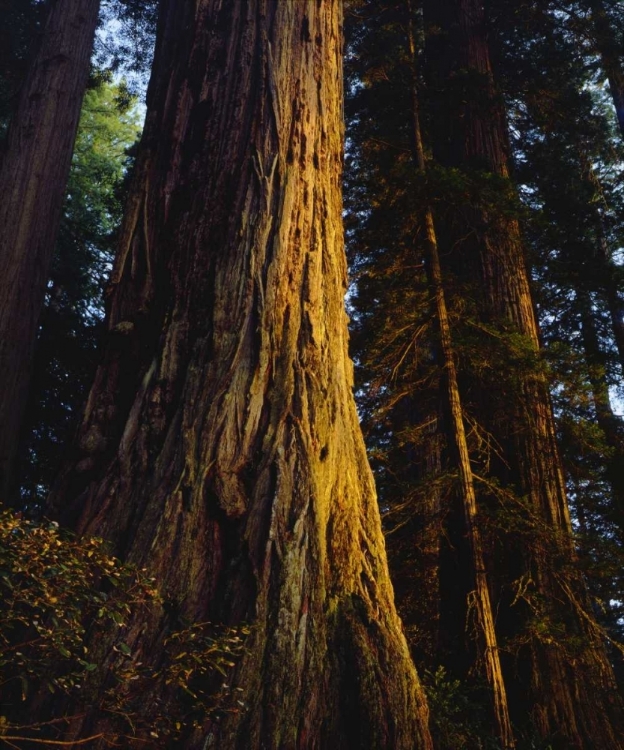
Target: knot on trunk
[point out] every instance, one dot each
(93, 441)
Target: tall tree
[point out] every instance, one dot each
(598, 25)
(567, 159)
(541, 601)
(221, 432)
(33, 175)
(480, 591)
(72, 319)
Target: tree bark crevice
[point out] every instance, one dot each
(242, 482)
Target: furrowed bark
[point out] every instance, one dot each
(485, 618)
(33, 174)
(220, 446)
(568, 690)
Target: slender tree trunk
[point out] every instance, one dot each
(485, 618)
(220, 446)
(568, 690)
(33, 175)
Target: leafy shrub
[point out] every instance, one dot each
(458, 713)
(51, 585)
(58, 595)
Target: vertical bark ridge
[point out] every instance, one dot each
(224, 424)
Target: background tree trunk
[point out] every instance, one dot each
(562, 678)
(220, 446)
(33, 175)
(450, 388)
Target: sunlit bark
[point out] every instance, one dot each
(220, 446)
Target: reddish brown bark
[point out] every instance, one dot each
(480, 589)
(562, 677)
(33, 174)
(220, 446)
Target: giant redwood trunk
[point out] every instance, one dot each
(33, 174)
(559, 673)
(220, 446)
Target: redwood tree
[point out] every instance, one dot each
(220, 445)
(560, 675)
(33, 173)
(480, 592)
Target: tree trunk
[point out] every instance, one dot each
(567, 688)
(33, 175)
(481, 593)
(220, 446)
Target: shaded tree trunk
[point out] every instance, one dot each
(483, 606)
(220, 446)
(568, 689)
(33, 175)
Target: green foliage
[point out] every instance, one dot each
(71, 322)
(64, 603)
(195, 664)
(460, 719)
(458, 712)
(53, 587)
(125, 43)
